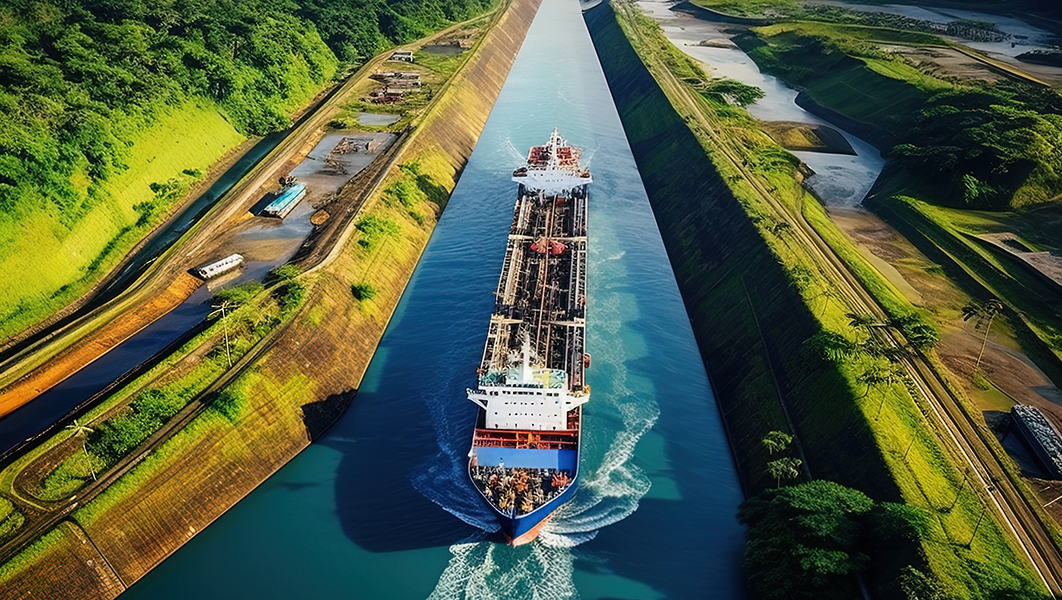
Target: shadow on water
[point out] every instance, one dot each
(377, 507)
(669, 563)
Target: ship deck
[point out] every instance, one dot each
(542, 288)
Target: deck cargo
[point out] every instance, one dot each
(524, 459)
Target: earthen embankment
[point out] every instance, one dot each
(748, 318)
(301, 384)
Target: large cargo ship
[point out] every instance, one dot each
(524, 459)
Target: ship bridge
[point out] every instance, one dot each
(527, 398)
(552, 169)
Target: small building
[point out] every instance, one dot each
(352, 144)
(402, 55)
(1040, 436)
(218, 267)
(386, 95)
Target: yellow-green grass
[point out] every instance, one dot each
(953, 230)
(747, 8)
(45, 265)
(42, 548)
(358, 263)
(10, 519)
(246, 325)
(901, 71)
(70, 476)
(928, 475)
(844, 34)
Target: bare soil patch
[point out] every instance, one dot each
(946, 63)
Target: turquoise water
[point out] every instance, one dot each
(381, 507)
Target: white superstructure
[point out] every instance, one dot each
(529, 399)
(552, 168)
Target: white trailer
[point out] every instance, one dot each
(216, 268)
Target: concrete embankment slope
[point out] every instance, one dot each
(750, 323)
(299, 386)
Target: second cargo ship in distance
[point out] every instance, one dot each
(524, 459)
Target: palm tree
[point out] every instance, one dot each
(221, 309)
(827, 294)
(880, 375)
(787, 468)
(864, 320)
(984, 314)
(781, 229)
(870, 377)
(776, 441)
(83, 430)
(833, 346)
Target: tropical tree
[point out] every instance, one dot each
(777, 441)
(81, 430)
(782, 230)
(882, 375)
(806, 540)
(983, 315)
(827, 294)
(919, 333)
(863, 320)
(833, 346)
(784, 468)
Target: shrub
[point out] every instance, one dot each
(362, 291)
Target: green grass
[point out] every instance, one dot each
(441, 64)
(246, 325)
(747, 8)
(922, 465)
(1034, 301)
(901, 71)
(44, 265)
(70, 476)
(846, 34)
(43, 547)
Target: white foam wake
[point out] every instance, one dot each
(487, 571)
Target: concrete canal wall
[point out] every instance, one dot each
(749, 321)
(298, 387)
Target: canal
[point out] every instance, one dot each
(380, 507)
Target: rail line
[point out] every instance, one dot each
(1007, 502)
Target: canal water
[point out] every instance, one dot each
(36, 416)
(381, 507)
(840, 180)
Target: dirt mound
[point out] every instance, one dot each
(319, 218)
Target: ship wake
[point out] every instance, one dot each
(481, 570)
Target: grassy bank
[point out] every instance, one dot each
(941, 187)
(293, 391)
(780, 347)
(68, 255)
(113, 112)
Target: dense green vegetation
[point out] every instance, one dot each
(994, 147)
(84, 170)
(964, 143)
(806, 541)
(785, 350)
(244, 316)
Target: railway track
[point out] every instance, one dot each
(955, 427)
